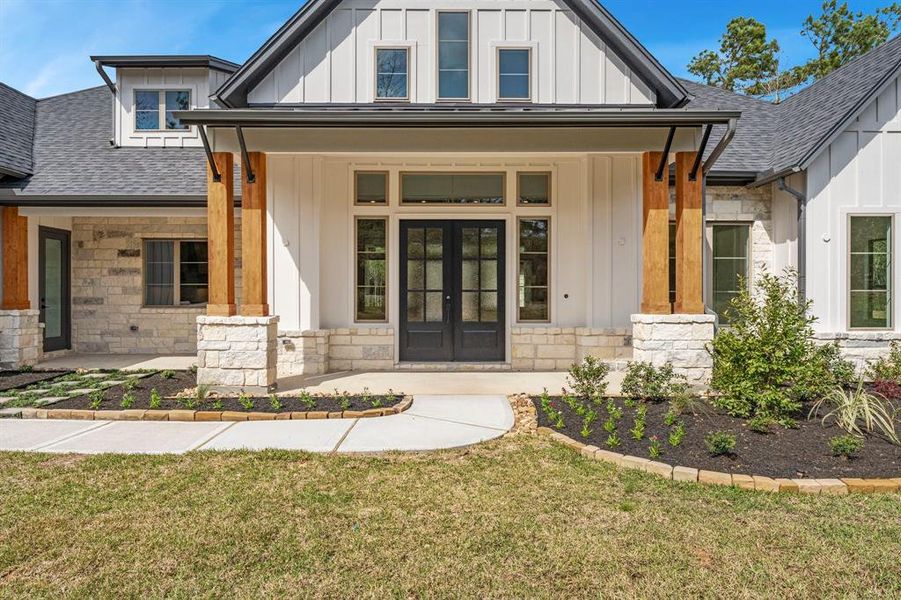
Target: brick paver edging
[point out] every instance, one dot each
(747, 482)
(208, 415)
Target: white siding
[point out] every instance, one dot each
(859, 173)
(595, 233)
(335, 63)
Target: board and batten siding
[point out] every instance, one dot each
(595, 233)
(859, 173)
(335, 62)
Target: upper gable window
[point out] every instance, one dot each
(453, 56)
(154, 109)
(513, 74)
(392, 74)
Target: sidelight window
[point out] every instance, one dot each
(533, 279)
(371, 269)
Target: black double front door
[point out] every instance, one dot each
(452, 290)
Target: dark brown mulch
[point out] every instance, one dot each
(793, 453)
(184, 380)
(10, 380)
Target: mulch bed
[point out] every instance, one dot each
(10, 380)
(185, 380)
(791, 453)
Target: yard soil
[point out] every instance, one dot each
(10, 380)
(792, 453)
(184, 381)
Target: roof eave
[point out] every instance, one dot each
(167, 60)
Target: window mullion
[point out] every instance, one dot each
(176, 273)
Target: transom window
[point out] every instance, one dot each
(154, 109)
(453, 56)
(371, 269)
(175, 272)
(452, 188)
(513, 74)
(533, 278)
(392, 74)
(870, 272)
(533, 189)
(370, 187)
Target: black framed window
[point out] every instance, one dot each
(176, 272)
(371, 269)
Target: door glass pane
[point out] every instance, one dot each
(470, 242)
(730, 265)
(489, 275)
(434, 243)
(434, 275)
(470, 274)
(434, 303)
(415, 306)
(415, 275)
(870, 290)
(470, 307)
(416, 243)
(489, 242)
(452, 188)
(489, 307)
(53, 288)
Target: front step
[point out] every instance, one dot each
(454, 367)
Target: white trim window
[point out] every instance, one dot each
(533, 278)
(176, 272)
(392, 74)
(154, 109)
(453, 55)
(870, 271)
(513, 78)
(370, 255)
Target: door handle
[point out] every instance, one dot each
(447, 308)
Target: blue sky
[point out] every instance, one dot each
(45, 44)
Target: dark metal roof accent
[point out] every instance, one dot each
(369, 116)
(17, 118)
(670, 92)
(167, 60)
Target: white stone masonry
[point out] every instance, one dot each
(237, 353)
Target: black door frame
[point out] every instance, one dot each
(64, 342)
(452, 326)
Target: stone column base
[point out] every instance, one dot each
(303, 352)
(678, 339)
(21, 340)
(237, 353)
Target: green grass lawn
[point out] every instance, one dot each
(511, 518)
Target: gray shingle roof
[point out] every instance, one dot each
(16, 132)
(73, 156)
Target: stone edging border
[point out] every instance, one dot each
(208, 415)
(835, 487)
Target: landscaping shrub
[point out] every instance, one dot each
(589, 378)
(857, 411)
(845, 445)
(644, 381)
(886, 368)
(720, 443)
(767, 363)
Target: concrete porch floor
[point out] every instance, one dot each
(378, 382)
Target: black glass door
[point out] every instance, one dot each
(452, 291)
(53, 288)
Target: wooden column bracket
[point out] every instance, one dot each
(689, 237)
(15, 260)
(221, 237)
(253, 238)
(655, 237)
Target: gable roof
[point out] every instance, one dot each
(233, 93)
(75, 164)
(16, 132)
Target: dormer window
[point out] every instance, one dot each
(154, 109)
(513, 74)
(453, 56)
(392, 74)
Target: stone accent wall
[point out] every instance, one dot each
(107, 281)
(861, 347)
(237, 352)
(536, 348)
(303, 352)
(679, 339)
(21, 339)
(361, 349)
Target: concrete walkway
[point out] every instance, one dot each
(432, 423)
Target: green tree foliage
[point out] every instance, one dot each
(745, 59)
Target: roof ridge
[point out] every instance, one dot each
(730, 92)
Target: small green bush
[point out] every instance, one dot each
(589, 378)
(845, 445)
(767, 363)
(720, 443)
(886, 368)
(644, 381)
(155, 399)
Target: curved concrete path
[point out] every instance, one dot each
(431, 423)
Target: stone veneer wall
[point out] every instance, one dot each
(861, 347)
(537, 348)
(679, 339)
(303, 352)
(237, 352)
(107, 282)
(361, 349)
(21, 338)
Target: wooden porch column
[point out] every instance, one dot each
(15, 260)
(689, 233)
(253, 239)
(220, 211)
(655, 237)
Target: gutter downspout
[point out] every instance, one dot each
(112, 88)
(801, 197)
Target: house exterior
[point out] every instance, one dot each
(438, 184)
